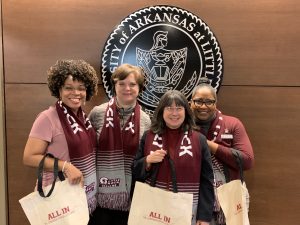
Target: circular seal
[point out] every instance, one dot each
(174, 47)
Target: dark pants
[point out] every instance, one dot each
(103, 216)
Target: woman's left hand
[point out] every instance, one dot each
(73, 174)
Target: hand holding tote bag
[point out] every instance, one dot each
(154, 206)
(65, 204)
(233, 197)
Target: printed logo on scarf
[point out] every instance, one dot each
(74, 125)
(186, 145)
(174, 47)
(157, 141)
(89, 188)
(110, 114)
(107, 182)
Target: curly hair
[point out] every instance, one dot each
(79, 70)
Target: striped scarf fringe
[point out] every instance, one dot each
(116, 201)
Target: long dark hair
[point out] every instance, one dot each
(158, 124)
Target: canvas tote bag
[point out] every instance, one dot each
(155, 206)
(65, 204)
(233, 197)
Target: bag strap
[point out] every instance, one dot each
(55, 173)
(239, 161)
(173, 174)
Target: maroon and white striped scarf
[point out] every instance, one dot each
(81, 139)
(117, 148)
(214, 133)
(185, 151)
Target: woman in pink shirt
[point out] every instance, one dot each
(64, 129)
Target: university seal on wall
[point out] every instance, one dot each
(173, 46)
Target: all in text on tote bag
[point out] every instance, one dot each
(232, 197)
(154, 206)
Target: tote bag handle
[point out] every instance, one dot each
(239, 162)
(56, 174)
(173, 174)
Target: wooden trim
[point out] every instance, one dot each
(3, 178)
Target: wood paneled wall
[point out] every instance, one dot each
(3, 178)
(259, 40)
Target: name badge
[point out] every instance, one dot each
(226, 136)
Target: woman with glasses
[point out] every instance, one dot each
(64, 130)
(120, 124)
(226, 136)
(172, 136)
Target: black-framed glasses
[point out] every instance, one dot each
(207, 102)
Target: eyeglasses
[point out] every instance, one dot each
(72, 89)
(174, 109)
(207, 102)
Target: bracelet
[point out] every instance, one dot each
(63, 168)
